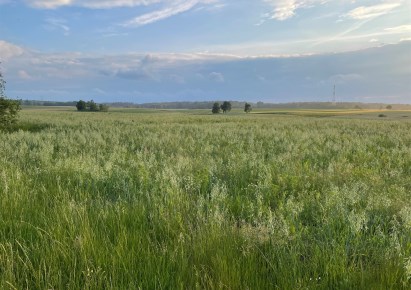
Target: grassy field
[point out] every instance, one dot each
(144, 199)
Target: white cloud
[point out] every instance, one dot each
(24, 75)
(161, 14)
(174, 8)
(285, 9)
(9, 50)
(57, 23)
(176, 76)
(48, 4)
(399, 29)
(169, 8)
(367, 12)
(104, 4)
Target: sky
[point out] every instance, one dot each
(197, 50)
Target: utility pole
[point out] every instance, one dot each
(334, 98)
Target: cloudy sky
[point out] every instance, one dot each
(174, 50)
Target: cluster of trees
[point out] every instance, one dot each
(8, 108)
(226, 107)
(91, 106)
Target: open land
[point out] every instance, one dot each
(183, 199)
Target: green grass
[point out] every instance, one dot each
(186, 200)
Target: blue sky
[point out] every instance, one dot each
(173, 50)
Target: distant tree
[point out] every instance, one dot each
(216, 108)
(389, 107)
(8, 108)
(226, 107)
(81, 105)
(92, 106)
(103, 108)
(247, 108)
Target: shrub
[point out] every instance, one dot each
(216, 108)
(247, 108)
(8, 108)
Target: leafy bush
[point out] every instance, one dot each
(226, 107)
(8, 108)
(247, 108)
(216, 108)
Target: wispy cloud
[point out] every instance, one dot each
(399, 29)
(367, 12)
(57, 23)
(216, 77)
(154, 16)
(24, 75)
(169, 8)
(102, 4)
(285, 9)
(173, 8)
(48, 4)
(97, 4)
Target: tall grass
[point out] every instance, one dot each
(179, 201)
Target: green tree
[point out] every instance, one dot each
(216, 108)
(226, 107)
(92, 106)
(247, 108)
(389, 107)
(81, 105)
(8, 108)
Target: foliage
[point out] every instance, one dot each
(216, 108)
(103, 108)
(247, 108)
(91, 106)
(81, 105)
(183, 201)
(8, 108)
(226, 107)
(389, 107)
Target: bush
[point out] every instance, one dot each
(226, 107)
(8, 108)
(247, 108)
(216, 108)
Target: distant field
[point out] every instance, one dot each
(183, 199)
(368, 114)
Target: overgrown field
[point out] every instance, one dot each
(173, 200)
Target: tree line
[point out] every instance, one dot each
(226, 107)
(91, 106)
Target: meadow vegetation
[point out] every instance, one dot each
(178, 200)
